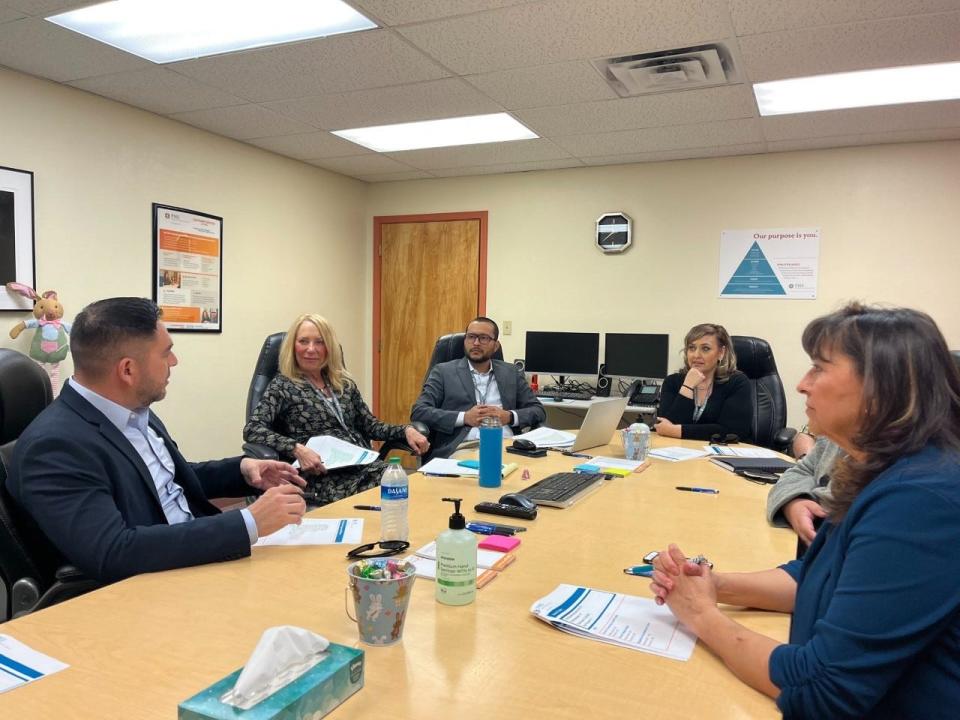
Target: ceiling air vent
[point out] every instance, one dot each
(667, 70)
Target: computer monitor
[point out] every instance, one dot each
(636, 355)
(562, 353)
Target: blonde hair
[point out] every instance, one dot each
(726, 365)
(333, 370)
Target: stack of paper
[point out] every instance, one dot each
(746, 452)
(337, 453)
(489, 563)
(625, 620)
(21, 664)
(311, 531)
(544, 437)
(677, 453)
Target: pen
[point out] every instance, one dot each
(485, 529)
(710, 491)
(499, 526)
(441, 475)
(573, 454)
(642, 570)
(375, 508)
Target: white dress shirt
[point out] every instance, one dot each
(487, 393)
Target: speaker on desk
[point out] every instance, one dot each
(520, 364)
(603, 382)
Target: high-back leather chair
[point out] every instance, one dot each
(755, 360)
(33, 574)
(267, 367)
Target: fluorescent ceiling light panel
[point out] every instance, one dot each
(165, 31)
(866, 88)
(471, 130)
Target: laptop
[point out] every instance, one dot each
(600, 424)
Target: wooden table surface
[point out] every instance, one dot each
(139, 647)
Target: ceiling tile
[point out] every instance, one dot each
(483, 154)
(558, 84)
(37, 47)
(675, 108)
(158, 90)
(397, 12)
(509, 168)
(725, 132)
(916, 116)
(548, 32)
(751, 17)
(310, 145)
(393, 177)
(355, 165)
(243, 122)
(685, 154)
(905, 136)
(403, 103)
(859, 46)
(373, 58)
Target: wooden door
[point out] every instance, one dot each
(429, 280)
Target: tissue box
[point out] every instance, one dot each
(313, 694)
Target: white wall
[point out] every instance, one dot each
(292, 237)
(888, 215)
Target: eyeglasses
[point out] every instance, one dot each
(387, 549)
(728, 439)
(482, 339)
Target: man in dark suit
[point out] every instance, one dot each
(458, 394)
(103, 479)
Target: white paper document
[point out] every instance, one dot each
(448, 466)
(337, 453)
(677, 453)
(486, 559)
(544, 437)
(20, 664)
(619, 463)
(746, 452)
(313, 531)
(626, 620)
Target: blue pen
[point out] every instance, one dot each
(710, 491)
(484, 529)
(642, 570)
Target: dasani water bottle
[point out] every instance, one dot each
(394, 491)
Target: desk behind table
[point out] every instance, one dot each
(570, 413)
(139, 647)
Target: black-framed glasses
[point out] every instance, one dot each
(384, 548)
(728, 439)
(482, 339)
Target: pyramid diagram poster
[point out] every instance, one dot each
(769, 263)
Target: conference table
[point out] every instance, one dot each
(138, 647)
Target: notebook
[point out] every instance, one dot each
(600, 423)
(771, 465)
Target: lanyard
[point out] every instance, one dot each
(333, 405)
(481, 398)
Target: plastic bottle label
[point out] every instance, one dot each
(393, 492)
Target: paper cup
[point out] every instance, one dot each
(380, 605)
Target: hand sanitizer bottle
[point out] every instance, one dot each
(456, 561)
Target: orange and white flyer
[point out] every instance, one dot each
(188, 263)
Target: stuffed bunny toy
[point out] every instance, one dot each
(49, 345)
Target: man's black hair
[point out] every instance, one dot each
(102, 328)
(481, 318)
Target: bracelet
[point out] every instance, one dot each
(690, 388)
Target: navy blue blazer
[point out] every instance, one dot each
(92, 495)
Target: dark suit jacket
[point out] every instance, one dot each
(90, 492)
(449, 390)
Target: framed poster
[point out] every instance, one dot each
(16, 237)
(188, 268)
(770, 263)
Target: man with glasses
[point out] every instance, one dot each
(105, 482)
(458, 394)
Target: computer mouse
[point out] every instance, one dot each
(518, 500)
(525, 445)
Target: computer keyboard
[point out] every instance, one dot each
(562, 489)
(565, 395)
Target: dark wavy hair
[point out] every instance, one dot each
(911, 389)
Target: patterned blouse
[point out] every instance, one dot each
(292, 412)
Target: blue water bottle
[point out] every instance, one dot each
(491, 452)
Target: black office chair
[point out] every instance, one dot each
(450, 347)
(33, 575)
(268, 365)
(755, 360)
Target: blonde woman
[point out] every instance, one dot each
(314, 395)
(709, 396)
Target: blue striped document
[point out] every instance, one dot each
(20, 664)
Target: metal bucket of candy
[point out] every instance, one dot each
(381, 592)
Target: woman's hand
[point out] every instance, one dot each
(416, 440)
(310, 462)
(688, 589)
(694, 378)
(665, 428)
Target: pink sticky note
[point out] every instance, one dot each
(502, 543)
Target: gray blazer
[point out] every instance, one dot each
(809, 478)
(449, 390)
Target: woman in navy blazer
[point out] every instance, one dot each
(876, 599)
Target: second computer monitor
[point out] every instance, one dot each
(562, 353)
(636, 355)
